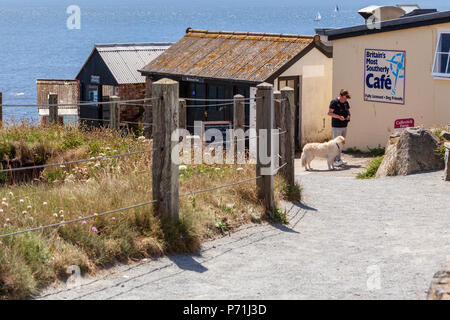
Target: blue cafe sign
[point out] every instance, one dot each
(384, 76)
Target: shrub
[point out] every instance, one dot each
(372, 168)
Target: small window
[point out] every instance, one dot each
(441, 65)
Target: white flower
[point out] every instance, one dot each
(240, 169)
(55, 215)
(4, 204)
(182, 167)
(61, 211)
(217, 169)
(29, 207)
(21, 201)
(4, 199)
(61, 216)
(7, 220)
(1, 210)
(11, 194)
(141, 138)
(44, 203)
(24, 212)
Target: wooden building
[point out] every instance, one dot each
(112, 69)
(68, 91)
(221, 64)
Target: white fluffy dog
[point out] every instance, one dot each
(328, 150)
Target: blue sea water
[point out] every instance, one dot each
(36, 43)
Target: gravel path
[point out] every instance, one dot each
(352, 239)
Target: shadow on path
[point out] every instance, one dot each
(188, 263)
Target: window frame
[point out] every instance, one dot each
(439, 75)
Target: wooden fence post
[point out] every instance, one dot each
(239, 112)
(114, 113)
(53, 108)
(106, 110)
(147, 117)
(288, 125)
(1, 110)
(265, 120)
(182, 114)
(165, 173)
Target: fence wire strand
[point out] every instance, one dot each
(75, 161)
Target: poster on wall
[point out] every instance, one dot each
(384, 76)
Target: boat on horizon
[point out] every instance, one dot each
(318, 17)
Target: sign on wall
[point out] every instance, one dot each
(384, 76)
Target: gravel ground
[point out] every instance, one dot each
(351, 239)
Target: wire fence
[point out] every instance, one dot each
(60, 164)
(220, 103)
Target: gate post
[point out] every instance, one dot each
(53, 108)
(114, 113)
(265, 162)
(165, 173)
(288, 125)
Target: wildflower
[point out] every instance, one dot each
(44, 203)
(113, 218)
(24, 212)
(61, 216)
(84, 222)
(61, 211)
(4, 199)
(1, 210)
(11, 194)
(182, 167)
(29, 207)
(141, 138)
(217, 169)
(4, 204)
(94, 229)
(55, 215)
(7, 220)
(240, 169)
(21, 201)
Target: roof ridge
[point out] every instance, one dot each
(131, 44)
(244, 33)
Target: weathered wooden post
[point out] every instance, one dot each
(1, 109)
(182, 114)
(114, 113)
(264, 162)
(447, 161)
(147, 117)
(53, 108)
(106, 110)
(239, 112)
(277, 106)
(165, 173)
(288, 125)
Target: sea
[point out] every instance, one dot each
(35, 41)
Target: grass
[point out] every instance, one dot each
(31, 261)
(372, 168)
(441, 150)
(375, 152)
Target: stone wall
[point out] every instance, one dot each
(134, 111)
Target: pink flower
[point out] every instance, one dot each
(113, 218)
(84, 222)
(94, 229)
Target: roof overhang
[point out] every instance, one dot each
(389, 25)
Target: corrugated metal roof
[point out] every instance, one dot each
(124, 60)
(243, 56)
